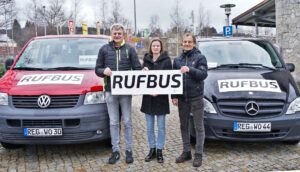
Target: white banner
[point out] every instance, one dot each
(230, 85)
(57, 78)
(146, 82)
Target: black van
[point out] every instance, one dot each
(250, 94)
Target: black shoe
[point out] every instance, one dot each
(185, 156)
(115, 156)
(151, 155)
(197, 160)
(160, 158)
(129, 158)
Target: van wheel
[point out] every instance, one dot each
(10, 146)
(291, 142)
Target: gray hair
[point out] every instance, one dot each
(117, 26)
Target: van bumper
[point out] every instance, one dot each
(283, 128)
(86, 123)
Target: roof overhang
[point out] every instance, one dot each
(263, 14)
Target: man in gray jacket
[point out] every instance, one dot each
(117, 56)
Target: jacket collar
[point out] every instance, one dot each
(163, 56)
(112, 43)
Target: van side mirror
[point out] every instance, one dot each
(8, 63)
(290, 67)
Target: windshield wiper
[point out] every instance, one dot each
(69, 68)
(257, 65)
(28, 68)
(243, 65)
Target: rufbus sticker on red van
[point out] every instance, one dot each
(51, 79)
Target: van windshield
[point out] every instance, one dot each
(58, 53)
(222, 53)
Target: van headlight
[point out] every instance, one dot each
(94, 98)
(294, 106)
(208, 107)
(3, 99)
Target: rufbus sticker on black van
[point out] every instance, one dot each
(51, 79)
(230, 85)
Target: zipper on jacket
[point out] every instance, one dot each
(186, 80)
(117, 58)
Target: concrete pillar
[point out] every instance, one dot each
(288, 32)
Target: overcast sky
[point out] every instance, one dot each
(146, 8)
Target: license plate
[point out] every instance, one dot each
(42, 132)
(251, 127)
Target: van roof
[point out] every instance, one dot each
(230, 39)
(72, 36)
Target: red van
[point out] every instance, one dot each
(51, 94)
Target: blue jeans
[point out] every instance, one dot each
(113, 102)
(161, 133)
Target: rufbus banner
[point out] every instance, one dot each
(146, 82)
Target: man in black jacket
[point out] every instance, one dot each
(117, 56)
(193, 65)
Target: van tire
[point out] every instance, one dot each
(10, 145)
(291, 142)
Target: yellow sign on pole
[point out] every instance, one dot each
(84, 28)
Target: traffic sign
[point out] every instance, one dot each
(139, 44)
(227, 31)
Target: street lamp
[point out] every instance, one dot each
(134, 18)
(227, 11)
(45, 29)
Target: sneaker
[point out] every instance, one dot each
(185, 156)
(129, 158)
(197, 160)
(115, 156)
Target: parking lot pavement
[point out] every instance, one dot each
(218, 156)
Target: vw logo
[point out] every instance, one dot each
(44, 101)
(252, 108)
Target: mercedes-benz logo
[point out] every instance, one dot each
(44, 101)
(252, 108)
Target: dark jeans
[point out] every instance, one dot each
(196, 107)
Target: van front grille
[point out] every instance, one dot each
(30, 102)
(236, 107)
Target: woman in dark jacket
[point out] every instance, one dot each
(156, 105)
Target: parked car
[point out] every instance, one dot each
(250, 94)
(51, 94)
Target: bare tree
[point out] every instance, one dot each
(7, 13)
(203, 20)
(177, 23)
(76, 12)
(33, 15)
(104, 22)
(53, 14)
(117, 16)
(177, 20)
(154, 26)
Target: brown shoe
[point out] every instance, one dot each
(185, 156)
